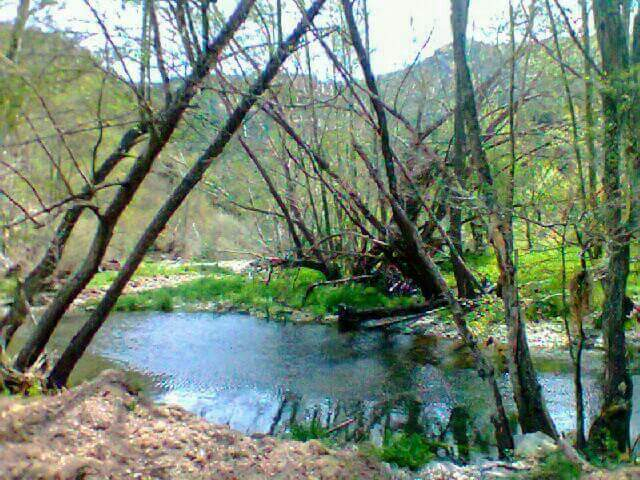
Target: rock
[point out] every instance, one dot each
(329, 319)
(303, 317)
(447, 470)
(534, 445)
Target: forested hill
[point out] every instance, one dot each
(421, 95)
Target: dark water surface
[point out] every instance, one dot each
(260, 376)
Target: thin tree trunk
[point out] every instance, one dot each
(575, 139)
(463, 282)
(594, 240)
(532, 412)
(18, 30)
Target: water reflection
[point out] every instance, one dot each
(262, 377)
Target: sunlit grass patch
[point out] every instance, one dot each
(284, 289)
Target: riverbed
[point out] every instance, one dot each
(261, 376)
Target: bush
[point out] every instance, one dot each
(407, 450)
(556, 466)
(304, 432)
(164, 302)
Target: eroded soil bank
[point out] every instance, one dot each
(101, 430)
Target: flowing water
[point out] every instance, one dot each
(260, 376)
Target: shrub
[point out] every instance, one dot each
(304, 432)
(407, 450)
(556, 466)
(164, 302)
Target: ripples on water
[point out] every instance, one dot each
(260, 376)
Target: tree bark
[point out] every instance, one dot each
(613, 421)
(532, 412)
(463, 282)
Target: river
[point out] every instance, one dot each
(261, 376)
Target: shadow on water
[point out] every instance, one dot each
(263, 377)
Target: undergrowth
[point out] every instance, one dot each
(303, 432)
(407, 450)
(555, 466)
(285, 289)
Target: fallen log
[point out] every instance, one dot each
(349, 318)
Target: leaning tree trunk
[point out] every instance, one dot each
(36, 279)
(82, 339)
(412, 244)
(532, 412)
(160, 133)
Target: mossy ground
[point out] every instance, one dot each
(284, 290)
(539, 277)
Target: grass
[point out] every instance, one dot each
(303, 432)
(149, 269)
(555, 466)
(407, 450)
(285, 290)
(539, 277)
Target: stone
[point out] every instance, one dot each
(534, 445)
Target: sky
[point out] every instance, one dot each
(399, 28)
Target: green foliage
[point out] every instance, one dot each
(407, 450)
(34, 390)
(151, 269)
(285, 289)
(164, 302)
(488, 310)
(555, 466)
(304, 432)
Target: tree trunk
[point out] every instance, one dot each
(37, 277)
(413, 247)
(532, 412)
(79, 343)
(463, 282)
(613, 422)
(594, 240)
(160, 134)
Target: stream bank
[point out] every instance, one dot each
(104, 429)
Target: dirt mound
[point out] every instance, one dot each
(102, 430)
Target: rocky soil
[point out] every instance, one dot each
(102, 430)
